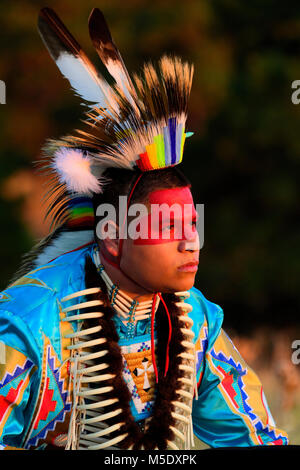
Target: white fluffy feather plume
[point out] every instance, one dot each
(74, 170)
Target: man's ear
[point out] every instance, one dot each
(109, 235)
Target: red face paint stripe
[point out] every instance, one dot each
(152, 233)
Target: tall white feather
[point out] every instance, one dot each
(84, 82)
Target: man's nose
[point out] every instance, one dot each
(190, 243)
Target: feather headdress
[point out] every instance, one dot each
(131, 122)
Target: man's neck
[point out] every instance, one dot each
(127, 285)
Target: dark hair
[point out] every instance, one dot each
(120, 183)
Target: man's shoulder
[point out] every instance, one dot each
(45, 284)
(205, 313)
(199, 301)
(30, 307)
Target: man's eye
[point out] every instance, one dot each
(169, 227)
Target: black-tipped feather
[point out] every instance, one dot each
(71, 59)
(107, 50)
(55, 35)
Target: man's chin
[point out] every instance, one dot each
(180, 286)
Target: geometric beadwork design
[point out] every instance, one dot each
(138, 373)
(201, 346)
(4, 297)
(236, 385)
(143, 374)
(12, 387)
(54, 403)
(17, 373)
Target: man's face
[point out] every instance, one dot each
(166, 258)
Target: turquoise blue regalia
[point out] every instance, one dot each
(35, 382)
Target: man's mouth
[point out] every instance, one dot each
(189, 267)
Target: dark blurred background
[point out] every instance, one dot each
(243, 159)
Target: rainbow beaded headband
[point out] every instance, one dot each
(167, 148)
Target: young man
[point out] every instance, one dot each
(107, 344)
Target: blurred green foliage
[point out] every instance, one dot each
(243, 160)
